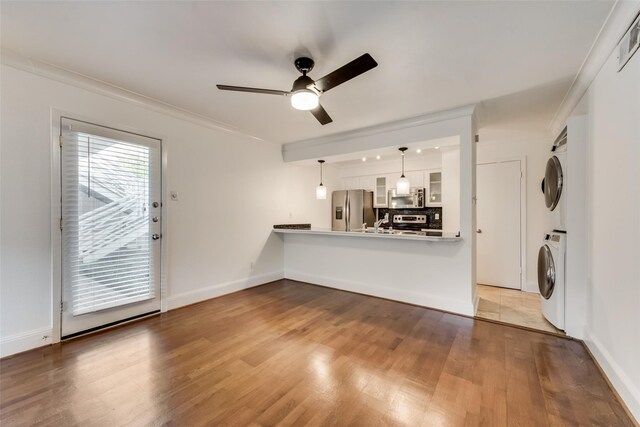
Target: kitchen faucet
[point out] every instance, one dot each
(379, 222)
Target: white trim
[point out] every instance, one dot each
(531, 287)
(620, 17)
(43, 69)
(395, 294)
(624, 385)
(24, 341)
(524, 286)
(202, 294)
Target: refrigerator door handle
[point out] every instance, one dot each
(347, 209)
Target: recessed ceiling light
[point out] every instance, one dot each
(364, 159)
(418, 151)
(436, 148)
(377, 157)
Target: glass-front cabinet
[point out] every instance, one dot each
(380, 196)
(435, 189)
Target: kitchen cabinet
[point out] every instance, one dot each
(434, 189)
(381, 192)
(416, 179)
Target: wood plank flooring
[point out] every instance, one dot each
(288, 353)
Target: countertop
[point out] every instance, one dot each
(326, 232)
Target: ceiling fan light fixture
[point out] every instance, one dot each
(304, 99)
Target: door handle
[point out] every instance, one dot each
(155, 236)
(478, 231)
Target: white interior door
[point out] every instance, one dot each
(111, 223)
(498, 218)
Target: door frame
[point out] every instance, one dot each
(523, 211)
(56, 213)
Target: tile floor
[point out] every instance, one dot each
(512, 306)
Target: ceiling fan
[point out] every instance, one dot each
(306, 92)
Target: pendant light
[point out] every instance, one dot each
(321, 190)
(402, 185)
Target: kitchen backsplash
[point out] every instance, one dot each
(434, 217)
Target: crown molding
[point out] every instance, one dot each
(43, 69)
(620, 17)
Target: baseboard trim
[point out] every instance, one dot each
(198, 295)
(415, 298)
(531, 287)
(25, 341)
(627, 391)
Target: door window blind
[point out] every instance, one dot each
(107, 251)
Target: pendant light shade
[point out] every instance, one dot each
(403, 186)
(321, 190)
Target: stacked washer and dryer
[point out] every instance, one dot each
(552, 254)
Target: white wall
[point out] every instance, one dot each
(451, 189)
(432, 274)
(502, 144)
(613, 205)
(232, 190)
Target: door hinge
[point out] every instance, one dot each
(60, 223)
(63, 306)
(477, 138)
(60, 140)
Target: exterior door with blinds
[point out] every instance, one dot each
(111, 224)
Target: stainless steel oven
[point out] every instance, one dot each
(413, 200)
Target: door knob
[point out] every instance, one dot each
(478, 231)
(155, 236)
(155, 219)
(155, 204)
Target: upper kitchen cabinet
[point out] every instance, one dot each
(416, 178)
(380, 192)
(435, 188)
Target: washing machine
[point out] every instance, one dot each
(551, 277)
(554, 185)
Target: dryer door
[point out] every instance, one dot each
(546, 272)
(552, 183)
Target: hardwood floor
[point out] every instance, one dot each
(288, 353)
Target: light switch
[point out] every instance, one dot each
(174, 195)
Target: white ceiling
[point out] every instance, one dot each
(520, 57)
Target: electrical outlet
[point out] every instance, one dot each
(174, 195)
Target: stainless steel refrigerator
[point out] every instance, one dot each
(350, 209)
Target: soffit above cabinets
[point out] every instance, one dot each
(432, 56)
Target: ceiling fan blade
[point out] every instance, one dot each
(321, 114)
(253, 90)
(346, 72)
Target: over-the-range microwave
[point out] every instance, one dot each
(413, 200)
